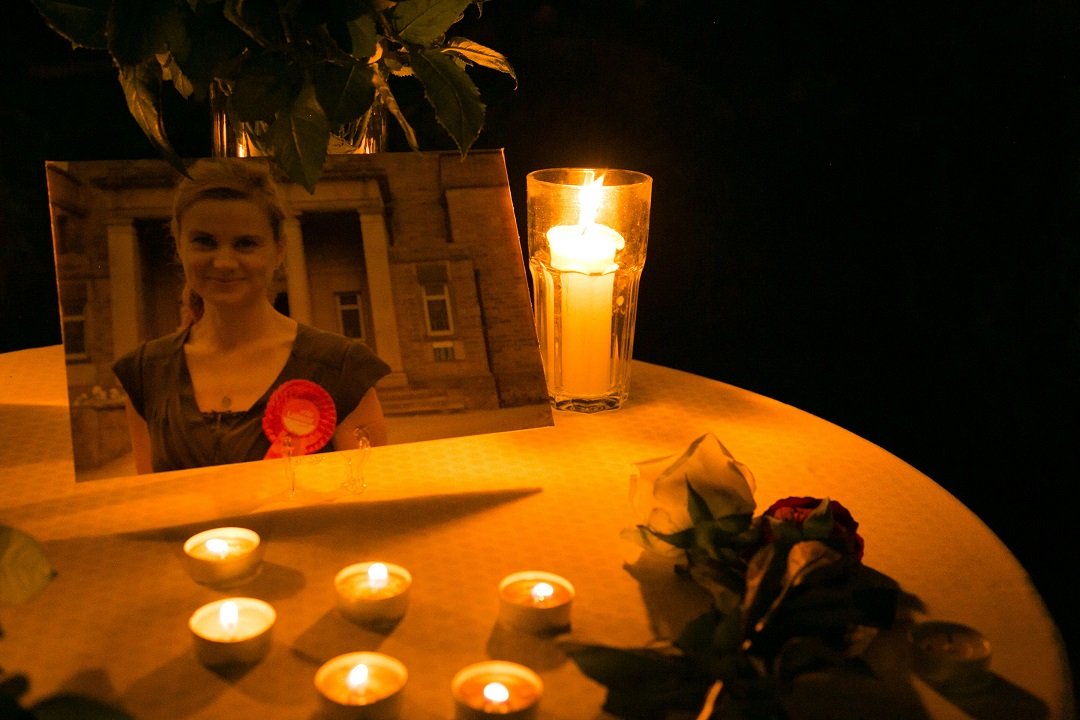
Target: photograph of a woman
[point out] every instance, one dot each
(197, 397)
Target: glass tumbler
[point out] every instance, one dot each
(588, 229)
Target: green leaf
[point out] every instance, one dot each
(724, 581)
(80, 22)
(803, 562)
(259, 19)
(474, 52)
(684, 539)
(347, 9)
(364, 36)
(298, 138)
(65, 706)
(24, 569)
(142, 90)
(345, 93)
(386, 98)
(264, 85)
(453, 95)
(214, 49)
(642, 684)
(425, 22)
(764, 580)
(697, 637)
(818, 525)
(171, 71)
(140, 29)
(785, 533)
(721, 538)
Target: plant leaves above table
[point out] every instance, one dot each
(263, 58)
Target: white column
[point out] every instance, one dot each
(377, 265)
(125, 286)
(296, 272)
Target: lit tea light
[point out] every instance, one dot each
(361, 685)
(357, 681)
(373, 593)
(496, 688)
(234, 631)
(950, 654)
(541, 592)
(534, 601)
(496, 695)
(223, 556)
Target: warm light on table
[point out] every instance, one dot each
(223, 556)
(496, 688)
(361, 686)
(232, 631)
(373, 593)
(536, 602)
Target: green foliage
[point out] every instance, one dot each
(642, 684)
(292, 72)
(453, 95)
(81, 22)
(784, 602)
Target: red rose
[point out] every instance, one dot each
(795, 510)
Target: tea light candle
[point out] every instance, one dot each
(373, 592)
(946, 653)
(223, 556)
(361, 685)
(534, 601)
(496, 688)
(233, 631)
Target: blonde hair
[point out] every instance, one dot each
(224, 179)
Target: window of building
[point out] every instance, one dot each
(74, 297)
(443, 351)
(350, 312)
(435, 289)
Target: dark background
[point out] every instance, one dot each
(867, 209)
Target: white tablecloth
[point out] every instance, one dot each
(460, 514)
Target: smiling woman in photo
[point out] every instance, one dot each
(199, 396)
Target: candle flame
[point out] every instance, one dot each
(217, 546)
(358, 678)
(592, 194)
(229, 616)
(542, 591)
(378, 576)
(496, 692)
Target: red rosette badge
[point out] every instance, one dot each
(299, 413)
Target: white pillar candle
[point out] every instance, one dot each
(535, 602)
(584, 257)
(361, 686)
(233, 631)
(496, 689)
(223, 556)
(373, 593)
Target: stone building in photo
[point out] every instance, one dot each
(417, 254)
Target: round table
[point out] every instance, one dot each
(460, 514)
